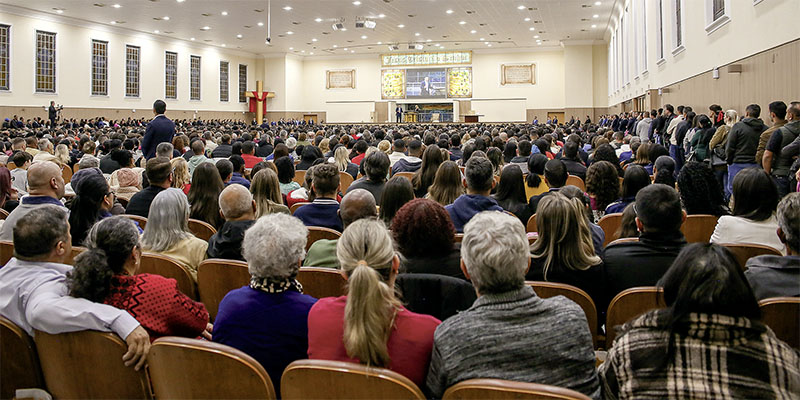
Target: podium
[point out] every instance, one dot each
(472, 118)
(411, 117)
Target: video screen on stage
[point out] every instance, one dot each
(426, 83)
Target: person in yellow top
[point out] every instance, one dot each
(534, 182)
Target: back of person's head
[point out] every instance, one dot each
(280, 151)
(109, 245)
(399, 145)
(447, 185)
(636, 178)
(564, 235)
(235, 201)
(38, 234)
(167, 223)
(657, 150)
(700, 191)
(415, 147)
(237, 162)
(524, 147)
(198, 147)
(225, 168)
(397, 192)
(422, 228)
(536, 165)
(160, 107)
(755, 195)
(431, 159)
(158, 170)
(788, 221)
(275, 246)
(165, 149)
(703, 121)
(570, 150)
(511, 185)
(248, 147)
(266, 191)
(753, 111)
(366, 255)
(376, 166)
(664, 169)
(555, 172)
(479, 174)
(325, 180)
(90, 193)
(361, 146)
(226, 139)
(122, 157)
(357, 204)
(658, 208)
(778, 108)
(495, 252)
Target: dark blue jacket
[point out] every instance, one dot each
(321, 212)
(161, 129)
(466, 206)
(238, 178)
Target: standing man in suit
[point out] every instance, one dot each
(52, 113)
(398, 112)
(160, 129)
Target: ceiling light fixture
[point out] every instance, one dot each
(597, 3)
(473, 31)
(462, 22)
(527, 19)
(595, 16)
(335, 46)
(181, 1)
(356, 3)
(536, 36)
(287, 8)
(260, 24)
(290, 33)
(594, 26)
(291, 48)
(224, 13)
(381, 15)
(113, 22)
(352, 51)
(416, 34)
(318, 20)
(363, 36)
(401, 26)
(156, 31)
(449, 11)
(531, 29)
(482, 39)
(205, 28)
(60, 11)
(165, 18)
(314, 39)
(116, 6)
(192, 39)
(520, 7)
(239, 36)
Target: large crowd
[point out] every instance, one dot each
(450, 200)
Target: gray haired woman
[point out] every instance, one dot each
(167, 231)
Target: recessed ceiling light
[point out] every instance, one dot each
(401, 26)
(482, 39)
(595, 16)
(205, 28)
(156, 31)
(239, 36)
(312, 53)
(291, 48)
(113, 22)
(165, 18)
(192, 39)
(363, 36)
(473, 31)
(345, 49)
(489, 45)
(594, 26)
(536, 36)
(520, 7)
(527, 19)
(356, 3)
(462, 22)
(437, 45)
(224, 45)
(416, 34)
(116, 6)
(302, 51)
(381, 15)
(449, 11)
(343, 29)
(540, 43)
(531, 29)
(428, 40)
(335, 46)
(287, 8)
(60, 11)
(224, 13)
(597, 3)
(380, 42)
(314, 39)
(260, 24)
(352, 51)
(181, 1)
(290, 33)
(318, 20)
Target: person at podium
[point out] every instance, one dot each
(398, 112)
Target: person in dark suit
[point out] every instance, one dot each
(160, 129)
(52, 113)
(398, 112)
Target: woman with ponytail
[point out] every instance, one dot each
(93, 201)
(369, 325)
(106, 273)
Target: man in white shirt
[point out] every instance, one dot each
(675, 148)
(643, 127)
(398, 152)
(34, 294)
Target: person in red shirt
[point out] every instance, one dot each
(249, 155)
(369, 325)
(106, 273)
(360, 148)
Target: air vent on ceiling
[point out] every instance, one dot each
(206, 14)
(326, 33)
(585, 6)
(537, 22)
(470, 11)
(295, 23)
(258, 11)
(281, 35)
(410, 15)
(584, 19)
(168, 32)
(430, 26)
(492, 34)
(248, 26)
(208, 40)
(99, 5)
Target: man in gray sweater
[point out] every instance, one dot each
(509, 332)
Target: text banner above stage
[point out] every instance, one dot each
(423, 59)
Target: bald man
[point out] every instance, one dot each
(239, 210)
(357, 204)
(46, 186)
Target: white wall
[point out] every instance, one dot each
(548, 92)
(73, 67)
(752, 28)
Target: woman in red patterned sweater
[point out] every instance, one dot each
(106, 273)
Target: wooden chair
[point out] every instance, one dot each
(6, 251)
(576, 181)
(182, 368)
(19, 363)
(3, 214)
(698, 228)
(531, 225)
(782, 315)
(295, 206)
(317, 232)
(580, 297)
(201, 229)
(630, 304)
(75, 168)
(169, 268)
(321, 282)
(299, 177)
(142, 221)
(11, 166)
(342, 380)
(345, 180)
(610, 224)
(746, 251)
(88, 365)
(497, 389)
(407, 175)
(66, 173)
(216, 277)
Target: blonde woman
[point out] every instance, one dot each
(325, 146)
(385, 147)
(369, 325)
(62, 155)
(342, 160)
(181, 178)
(267, 193)
(564, 251)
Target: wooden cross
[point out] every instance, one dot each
(259, 96)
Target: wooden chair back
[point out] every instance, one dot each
(201, 229)
(630, 304)
(19, 363)
(169, 268)
(317, 232)
(345, 180)
(459, 237)
(6, 251)
(142, 221)
(3, 214)
(782, 315)
(295, 206)
(497, 389)
(407, 175)
(216, 277)
(342, 380)
(11, 166)
(75, 168)
(580, 297)
(610, 224)
(698, 228)
(182, 368)
(531, 225)
(322, 282)
(66, 174)
(576, 181)
(746, 251)
(88, 365)
(299, 176)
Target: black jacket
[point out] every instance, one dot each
(575, 168)
(161, 129)
(743, 141)
(140, 202)
(521, 210)
(222, 151)
(436, 295)
(448, 265)
(264, 149)
(107, 165)
(227, 242)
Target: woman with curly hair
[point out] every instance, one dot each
(606, 152)
(181, 178)
(425, 237)
(700, 191)
(602, 184)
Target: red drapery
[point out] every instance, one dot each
(254, 101)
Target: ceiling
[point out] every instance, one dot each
(450, 24)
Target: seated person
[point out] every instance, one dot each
(711, 312)
(198, 155)
(46, 188)
(107, 272)
(635, 179)
(356, 204)
(19, 175)
(510, 332)
(33, 293)
(412, 162)
(642, 263)
(238, 172)
(286, 171)
(479, 178)
(425, 238)
(92, 202)
(555, 177)
(249, 155)
(238, 208)
(574, 164)
(369, 325)
(776, 276)
(159, 174)
(324, 210)
(376, 169)
(511, 193)
(268, 319)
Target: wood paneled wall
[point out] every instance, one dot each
(114, 114)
